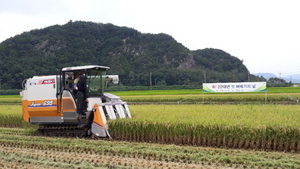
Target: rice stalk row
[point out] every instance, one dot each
(15, 121)
(263, 138)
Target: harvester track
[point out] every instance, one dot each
(64, 131)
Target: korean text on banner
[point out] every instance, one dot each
(235, 87)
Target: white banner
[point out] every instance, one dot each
(235, 87)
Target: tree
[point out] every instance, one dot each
(129, 53)
(276, 80)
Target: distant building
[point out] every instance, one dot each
(296, 84)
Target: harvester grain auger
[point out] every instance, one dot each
(72, 103)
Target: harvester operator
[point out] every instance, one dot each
(79, 92)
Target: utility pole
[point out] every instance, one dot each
(150, 81)
(280, 77)
(248, 76)
(204, 76)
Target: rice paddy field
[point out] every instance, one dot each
(169, 129)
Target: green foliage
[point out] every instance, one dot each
(10, 91)
(277, 82)
(130, 54)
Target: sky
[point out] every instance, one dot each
(264, 34)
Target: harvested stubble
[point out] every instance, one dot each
(262, 127)
(47, 152)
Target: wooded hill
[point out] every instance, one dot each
(134, 56)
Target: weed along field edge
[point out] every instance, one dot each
(180, 135)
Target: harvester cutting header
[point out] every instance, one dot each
(72, 103)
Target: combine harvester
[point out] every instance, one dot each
(72, 104)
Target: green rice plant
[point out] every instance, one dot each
(10, 100)
(257, 98)
(196, 96)
(283, 89)
(278, 90)
(9, 96)
(158, 92)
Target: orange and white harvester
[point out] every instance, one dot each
(49, 102)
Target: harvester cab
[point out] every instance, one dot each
(72, 103)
